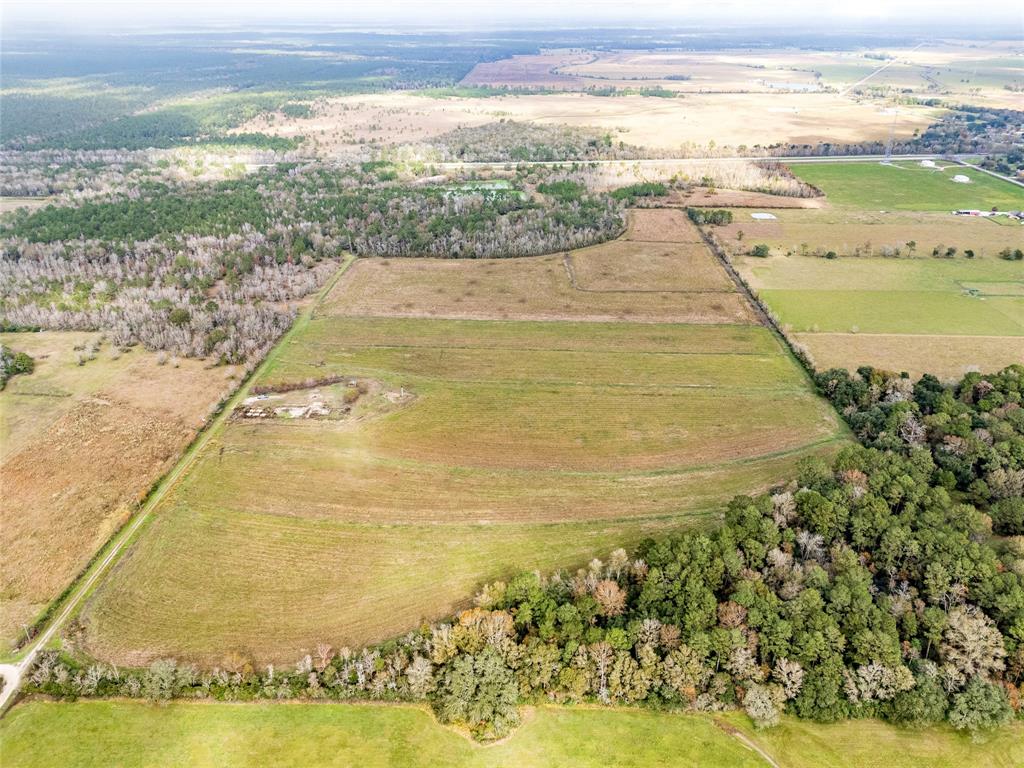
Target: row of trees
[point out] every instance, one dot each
(862, 588)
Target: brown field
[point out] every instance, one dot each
(535, 288)
(81, 445)
(347, 123)
(661, 256)
(529, 71)
(718, 71)
(950, 68)
(649, 266)
(664, 225)
(702, 197)
(948, 357)
(869, 231)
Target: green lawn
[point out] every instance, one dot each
(930, 312)
(874, 744)
(127, 734)
(923, 295)
(908, 187)
(102, 733)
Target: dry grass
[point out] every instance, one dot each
(703, 197)
(948, 357)
(535, 288)
(624, 266)
(81, 444)
(663, 225)
(8, 204)
(347, 123)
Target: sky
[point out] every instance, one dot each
(495, 13)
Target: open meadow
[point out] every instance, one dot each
(128, 734)
(80, 444)
(447, 452)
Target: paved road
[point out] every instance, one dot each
(664, 160)
(14, 673)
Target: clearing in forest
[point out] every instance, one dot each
(393, 464)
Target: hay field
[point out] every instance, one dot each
(289, 532)
(492, 445)
(80, 445)
(909, 186)
(345, 124)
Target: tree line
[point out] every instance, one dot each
(203, 270)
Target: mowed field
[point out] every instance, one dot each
(482, 446)
(79, 445)
(909, 186)
(130, 734)
(911, 312)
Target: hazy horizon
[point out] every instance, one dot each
(870, 15)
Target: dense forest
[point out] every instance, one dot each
(868, 587)
(207, 269)
(973, 431)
